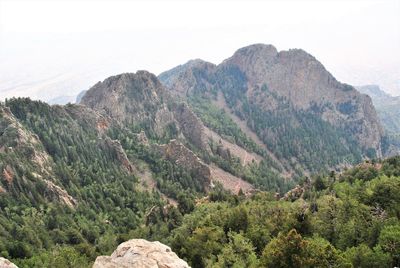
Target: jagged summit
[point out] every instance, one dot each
(190, 74)
(252, 53)
(259, 79)
(122, 84)
(128, 97)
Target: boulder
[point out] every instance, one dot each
(4, 263)
(141, 253)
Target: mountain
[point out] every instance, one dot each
(79, 96)
(84, 172)
(218, 161)
(62, 100)
(388, 107)
(288, 102)
(66, 181)
(140, 102)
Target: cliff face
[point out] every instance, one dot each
(192, 76)
(273, 91)
(387, 107)
(298, 77)
(178, 153)
(140, 253)
(140, 99)
(131, 99)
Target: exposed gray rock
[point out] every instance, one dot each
(304, 81)
(140, 253)
(191, 126)
(266, 77)
(131, 99)
(115, 147)
(192, 76)
(181, 155)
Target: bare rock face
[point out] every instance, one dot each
(90, 117)
(181, 155)
(140, 99)
(55, 192)
(4, 263)
(189, 77)
(115, 147)
(294, 194)
(260, 81)
(140, 253)
(131, 99)
(191, 126)
(301, 79)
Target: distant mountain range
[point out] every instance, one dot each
(262, 120)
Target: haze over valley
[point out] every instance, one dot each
(199, 134)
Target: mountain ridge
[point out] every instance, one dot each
(260, 76)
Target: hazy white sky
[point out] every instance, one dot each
(53, 48)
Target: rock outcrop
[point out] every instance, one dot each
(4, 263)
(388, 110)
(189, 77)
(191, 126)
(132, 99)
(26, 146)
(298, 77)
(177, 152)
(141, 100)
(208, 174)
(55, 192)
(140, 253)
(114, 146)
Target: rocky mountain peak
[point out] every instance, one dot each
(260, 76)
(132, 85)
(186, 77)
(128, 98)
(255, 51)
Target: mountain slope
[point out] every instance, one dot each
(140, 102)
(68, 186)
(303, 115)
(388, 107)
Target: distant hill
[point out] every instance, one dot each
(387, 106)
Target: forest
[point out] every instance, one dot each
(346, 219)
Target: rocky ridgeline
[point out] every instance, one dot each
(140, 98)
(132, 99)
(140, 253)
(191, 126)
(177, 152)
(268, 77)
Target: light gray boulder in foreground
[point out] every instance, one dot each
(141, 253)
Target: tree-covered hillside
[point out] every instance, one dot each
(338, 220)
(37, 230)
(54, 154)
